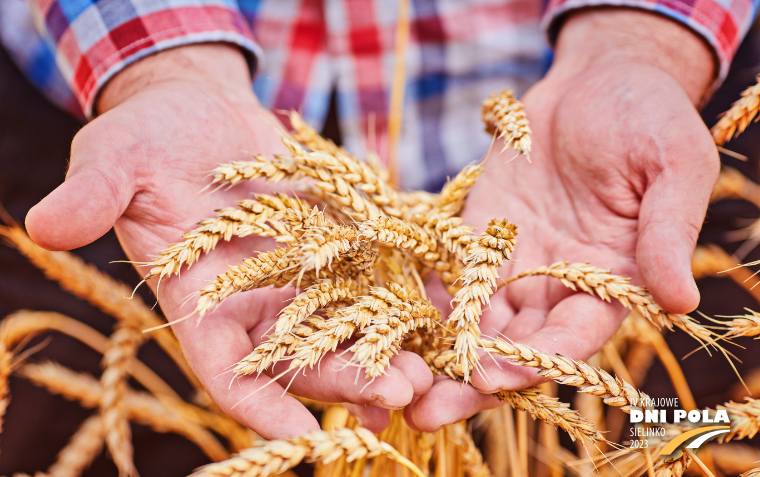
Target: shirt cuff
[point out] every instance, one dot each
(99, 43)
(721, 23)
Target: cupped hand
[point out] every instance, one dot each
(142, 165)
(621, 174)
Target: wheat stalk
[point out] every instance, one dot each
(505, 117)
(124, 344)
(99, 289)
(738, 117)
(479, 278)
(274, 457)
(139, 407)
(83, 447)
(600, 282)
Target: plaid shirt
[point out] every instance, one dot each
(459, 52)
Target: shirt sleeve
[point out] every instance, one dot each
(722, 23)
(94, 39)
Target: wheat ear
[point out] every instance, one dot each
(472, 459)
(259, 217)
(454, 193)
(382, 339)
(613, 390)
(124, 343)
(745, 325)
(539, 406)
(83, 447)
(139, 407)
(752, 473)
(100, 290)
(274, 457)
(504, 116)
(738, 117)
(479, 278)
(318, 336)
(600, 282)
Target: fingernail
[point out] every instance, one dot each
(694, 284)
(379, 401)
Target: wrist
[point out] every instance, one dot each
(216, 65)
(612, 36)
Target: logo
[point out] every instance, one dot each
(659, 416)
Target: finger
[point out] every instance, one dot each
(98, 188)
(335, 380)
(212, 347)
(447, 402)
(374, 418)
(577, 327)
(672, 211)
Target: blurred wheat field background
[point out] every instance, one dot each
(552, 430)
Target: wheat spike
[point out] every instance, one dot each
(124, 343)
(274, 457)
(539, 406)
(739, 116)
(472, 459)
(99, 289)
(83, 447)
(505, 117)
(316, 337)
(382, 339)
(479, 277)
(319, 295)
(752, 473)
(744, 325)
(139, 407)
(452, 197)
(600, 282)
(613, 390)
(402, 235)
(261, 217)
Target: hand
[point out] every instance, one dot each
(621, 174)
(167, 121)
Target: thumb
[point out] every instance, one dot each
(672, 212)
(98, 188)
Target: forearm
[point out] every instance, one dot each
(616, 35)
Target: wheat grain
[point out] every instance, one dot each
(83, 447)
(479, 277)
(600, 282)
(124, 343)
(738, 117)
(274, 457)
(505, 117)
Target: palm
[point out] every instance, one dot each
(589, 195)
(174, 136)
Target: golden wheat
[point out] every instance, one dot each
(735, 120)
(504, 117)
(274, 457)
